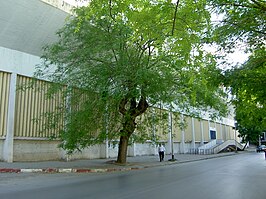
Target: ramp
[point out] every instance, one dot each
(216, 146)
(228, 143)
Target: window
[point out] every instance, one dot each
(213, 134)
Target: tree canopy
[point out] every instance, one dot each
(248, 85)
(242, 21)
(117, 58)
(245, 21)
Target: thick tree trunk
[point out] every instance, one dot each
(122, 151)
(129, 124)
(128, 128)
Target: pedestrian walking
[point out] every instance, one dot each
(161, 151)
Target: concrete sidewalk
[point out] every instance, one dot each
(102, 165)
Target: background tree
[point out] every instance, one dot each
(248, 84)
(244, 22)
(118, 58)
(241, 21)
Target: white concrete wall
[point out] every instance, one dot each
(1, 149)
(18, 62)
(178, 147)
(42, 150)
(36, 150)
(112, 150)
(145, 149)
(92, 152)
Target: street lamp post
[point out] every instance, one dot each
(235, 137)
(172, 138)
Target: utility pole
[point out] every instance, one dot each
(235, 136)
(172, 137)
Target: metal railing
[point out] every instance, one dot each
(201, 151)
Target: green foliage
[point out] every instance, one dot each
(244, 21)
(248, 84)
(125, 56)
(250, 135)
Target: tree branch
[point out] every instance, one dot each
(142, 106)
(133, 103)
(173, 28)
(122, 106)
(110, 10)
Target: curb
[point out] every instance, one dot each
(66, 170)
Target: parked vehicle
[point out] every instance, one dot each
(261, 148)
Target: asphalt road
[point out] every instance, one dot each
(233, 177)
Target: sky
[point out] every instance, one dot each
(238, 57)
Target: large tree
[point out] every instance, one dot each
(248, 84)
(244, 22)
(117, 58)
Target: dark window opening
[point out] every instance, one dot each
(213, 134)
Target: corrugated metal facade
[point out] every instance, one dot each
(31, 106)
(4, 97)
